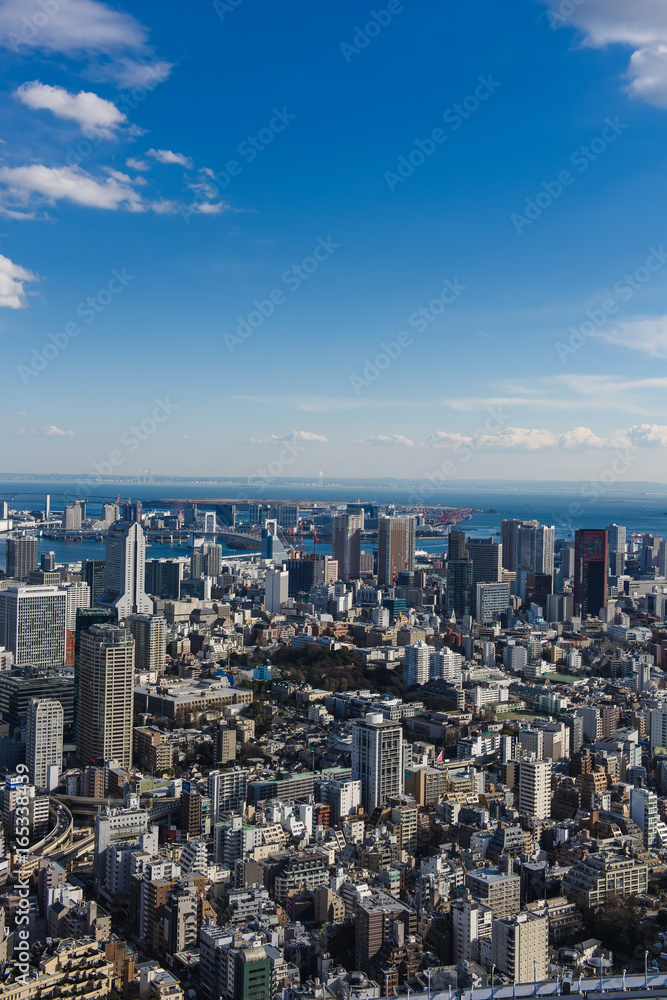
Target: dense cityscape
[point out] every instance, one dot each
(282, 774)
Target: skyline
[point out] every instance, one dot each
(414, 241)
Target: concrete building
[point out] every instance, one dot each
(106, 688)
(32, 625)
(377, 747)
(228, 791)
(644, 812)
(416, 664)
(44, 749)
(491, 601)
(150, 642)
(78, 596)
(471, 922)
(21, 557)
(535, 788)
(396, 548)
(604, 873)
(276, 590)
(500, 891)
(346, 548)
(520, 946)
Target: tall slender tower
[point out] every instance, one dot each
(617, 540)
(21, 557)
(124, 571)
(347, 545)
(150, 642)
(106, 694)
(396, 547)
(377, 752)
(591, 568)
(45, 739)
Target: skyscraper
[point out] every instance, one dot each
(32, 625)
(21, 557)
(456, 545)
(459, 586)
(276, 589)
(92, 573)
(106, 694)
(78, 596)
(196, 564)
(591, 568)
(492, 601)
(150, 642)
(377, 750)
(131, 512)
(347, 544)
(508, 540)
(535, 547)
(396, 548)
(164, 577)
(486, 558)
(44, 739)
(272, 547)
(212, 558)
(72, 517)
(47, 562)
(124, 571)
(535, 553)
(617, 540)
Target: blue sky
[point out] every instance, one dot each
(413, 239)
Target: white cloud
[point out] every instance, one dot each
(53, 431)
(582, 437)
(134, 163)
(30, 185)
(391, 439)
(646, 435)
(292, 436)
(212, 208)
(531, 439)
(50, 431)
(646, 335)
(167, 156)
(114, 44)
(639, 24)
(446, 439)
(12, 279)
(92, 113)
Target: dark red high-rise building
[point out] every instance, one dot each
(591, 568)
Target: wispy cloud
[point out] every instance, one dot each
(135, 163)
(113, 44)
(647, 335)
(392, 440)
(539, 439)
(12, 281)
(167, 156)
(291, 436)
(50, 431)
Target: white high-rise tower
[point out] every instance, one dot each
(44, 739)
(377, 751)
(124, 571)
